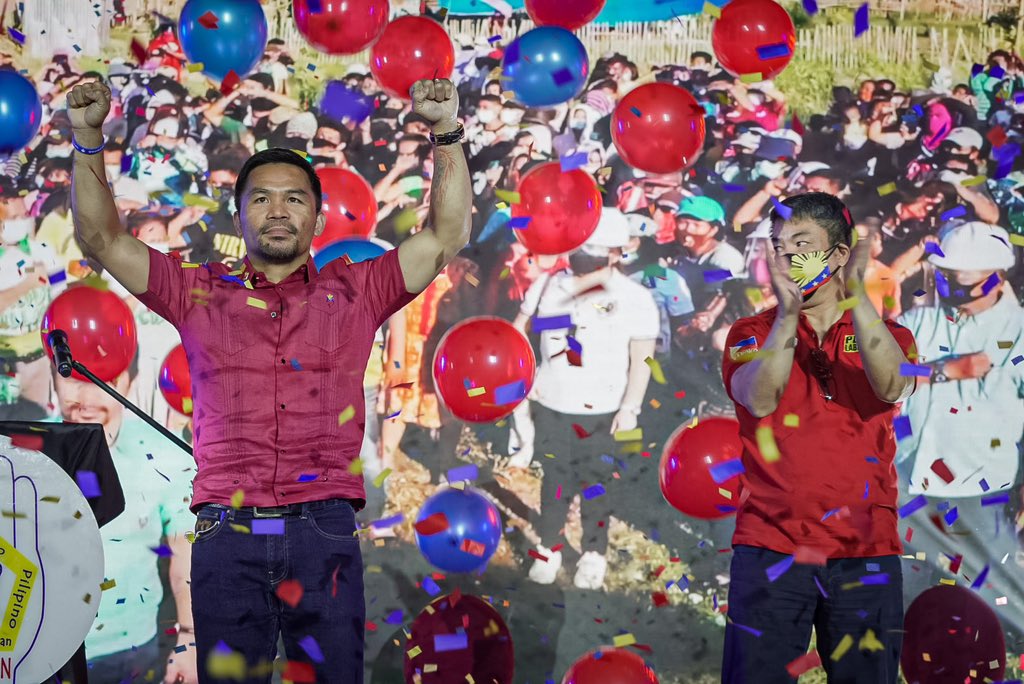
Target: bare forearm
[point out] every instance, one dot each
(178, 577)
(451, 192)
(759, 383)
(881, 354)
(92, 204)
(750, 211)
(639, 372)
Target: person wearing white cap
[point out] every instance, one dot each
(966, 419)
(597, 327)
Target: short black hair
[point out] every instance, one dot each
(700, 54)
(278, 155)
(825, 210)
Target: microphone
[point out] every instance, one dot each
(58, 341)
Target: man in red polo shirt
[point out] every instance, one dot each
(277, 352)
(817, 381)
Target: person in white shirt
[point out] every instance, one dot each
(961, 458)
(597, 328)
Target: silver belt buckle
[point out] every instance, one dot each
(256, 512)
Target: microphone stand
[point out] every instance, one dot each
(130, 406)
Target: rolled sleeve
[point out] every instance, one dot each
(383, 286)
(170, 282)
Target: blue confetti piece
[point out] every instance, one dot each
(910, 369)
(976, 69)
(307, 477)
(1017, 359)
(755, 632)
(860, 20)
(315, 7)
(562, 76)
(388, 522)
(636, 112)
(89, 483)
(912, 506)
(873, 567)
(430, 586)
(593, 491)
(58, 277)
(466, 472)
(979, 581)
(777, 570)
(510, 393)
(450, 642)
(943, 348)
(811, 7)
(996, 71)
(607, 459)
(781, 209)
(296, 365)
(571, 162)
(726, 470)
(992, 281)
(902, 427)
(772, 51)
(871, 459)
(958, 210)
(983, 483)
(933, 247)
(494, 39)
(163, 550)
(746, 342)
(733, 187)
(717, 275)
(542, 323)
(519, 222)
(821, 588)
(395, 617)
(309, 645)
(867, 490)
(574, 344)
(16, 35)
(880, 578)
(268, 526)
(996, 499)
(951, 516)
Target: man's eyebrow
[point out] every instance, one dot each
(289, 191)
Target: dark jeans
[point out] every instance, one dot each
(235, 580)
(130, 665)
(578, 463)
(770, 622)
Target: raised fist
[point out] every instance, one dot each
(88, 105)
(436, 100)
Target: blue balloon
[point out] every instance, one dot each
(472, 535)
(237, 42)
(341, 102)
(357, 250)
(20, 112)
(545, 66)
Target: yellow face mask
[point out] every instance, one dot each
(811, 270)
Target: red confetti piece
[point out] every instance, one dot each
(230, 82)
(996, 136)
(659, 599)
(954, 566)
(556, 548)
(438, 522)
(371, 626)
(804, 664)
(534, 554)
(580, 432)
(657, 573)
(680, 394)
(138, 51)
(31, 442)
(909, 535)
(290, 591)
(209, 21)
(473, 547)
(299, 673)
(940, 468)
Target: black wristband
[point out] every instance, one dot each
(448, 138)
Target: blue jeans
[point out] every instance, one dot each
(235, 580)
(770, 622)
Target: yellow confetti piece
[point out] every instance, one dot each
(509, 94)
(258, 303)
(192, 200)
(347, 415)
(405, 221)
(656, 373)
(549, 455)
(237, 498)
(193, 68)
(766, 444)
(869, 642)
(226, 665)
(851, 585)
(379, 480)
(1017, 240)
(471, 279)
(635, 435)
(109, 584)
(889, 302)
(429, 667)
(186, 405)
(976, 180)
(1004, 344)
(501, 205)
(848, 303)
(12, 514)
(655, 404)
(926, 657)
(714, 11)
(754, 295)
(240, 528)
(460, 485)
(87, 598)
(476, 391)
(508, 196)
(791, 420)
(51, 499)
(504, 273)
(356, 467)
(844, 645)
(751, 78)
(190, 537)
(414, 651)
(469, 679)
(188, 264)
(725, 492)
(623, 640)
(886, 189)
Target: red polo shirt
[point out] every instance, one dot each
(277, 372)
(832, 490)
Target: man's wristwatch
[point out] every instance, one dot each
(939, 372)
(448, 138)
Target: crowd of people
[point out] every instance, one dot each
(932, 177)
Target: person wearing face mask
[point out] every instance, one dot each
(961, 452)
(592, 376)
(699, 225)
(816, 386)
(958, 161)
(26, 266)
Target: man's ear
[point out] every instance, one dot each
(321, 223)
(237, 221)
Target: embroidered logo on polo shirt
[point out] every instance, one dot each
(330, 296)
(744, 350)
(850, 343)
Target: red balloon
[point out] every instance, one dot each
(487, 653)
(410, 49)
(342, 27)
(960, 634)
(100, 327)
(349, 204)
(686, 476)
(563, 208)
(176, 381)
(610, 666)
(658, 128)
(483, 352)
(753, 37)
(569, 14)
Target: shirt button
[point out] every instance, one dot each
(282, 361)
(273, 314)
(282, 406)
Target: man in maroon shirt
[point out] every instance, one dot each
(817, 381)
(277, 352)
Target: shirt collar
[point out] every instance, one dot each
(306, 271)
